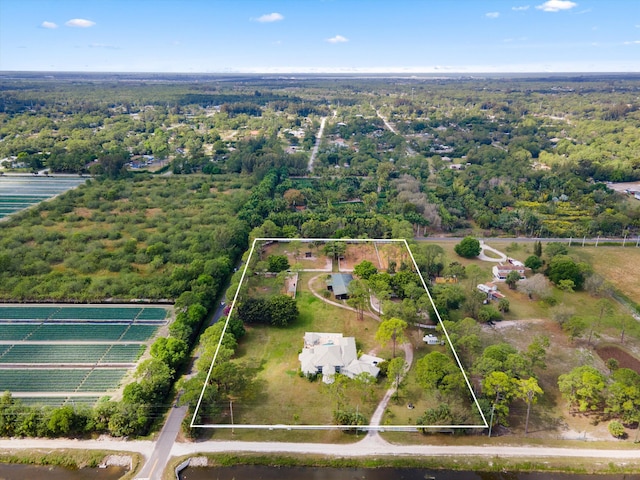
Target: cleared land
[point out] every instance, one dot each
(61, 354)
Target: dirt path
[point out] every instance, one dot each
(482, 256)
(378, 446)
(336, 304)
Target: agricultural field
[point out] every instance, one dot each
(20, 192)
(52, 355)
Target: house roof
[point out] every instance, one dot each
(510, 268)
(356, 367)
(340, 283)
(330, 352)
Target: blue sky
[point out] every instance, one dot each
(393, 36)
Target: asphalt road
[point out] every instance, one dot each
(157, 462)
(574, 241)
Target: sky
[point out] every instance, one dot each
(309, 36)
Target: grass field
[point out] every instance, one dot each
(285, 397)
(615, 264)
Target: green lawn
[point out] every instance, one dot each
(284, 396)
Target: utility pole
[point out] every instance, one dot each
(493, 407)
(231, 410)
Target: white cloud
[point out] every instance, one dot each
(46, 24)
(556, 5)
(337, 39)
(492, 14)
(80, 23)
(635, 42)
(520, 9)
(270, 17)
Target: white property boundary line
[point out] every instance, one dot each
(380, 428)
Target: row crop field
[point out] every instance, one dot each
(20, 192)
(71, 353)
(59, 354)
(88, 314)
(107, 332)
(61, 379)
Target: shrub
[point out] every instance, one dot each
(616, 429)
(469, 247)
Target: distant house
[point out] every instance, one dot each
(491, 289)
(500, 272)
(339, 285)
(331, 353)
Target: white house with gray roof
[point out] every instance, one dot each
(331, 353)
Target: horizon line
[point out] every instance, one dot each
(330, 72)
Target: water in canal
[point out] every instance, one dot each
(248, 472)
(33, 472)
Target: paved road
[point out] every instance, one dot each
(314, 152)
(410, 150)
(574, 241)
(370, 446)
(157, 461)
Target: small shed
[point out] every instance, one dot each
(339, 285)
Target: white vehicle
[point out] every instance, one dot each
(430, 339)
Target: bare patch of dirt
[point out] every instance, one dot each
(357, 253)
(152, 212)
(625, 360)
(83, 212)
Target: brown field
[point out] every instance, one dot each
(357, 253)
(625, 360)
(395, 251)
(296, 253)
(614, 263)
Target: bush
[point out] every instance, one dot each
(533, 262)
(617, 429)
(277, 263)
(469, 247)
